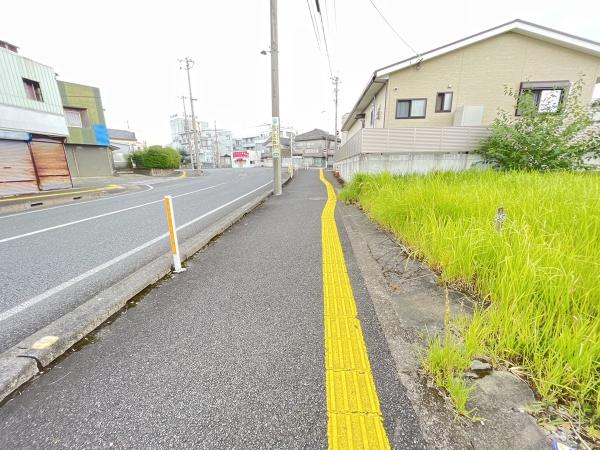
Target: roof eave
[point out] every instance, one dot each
(517, 26)
(374, 85)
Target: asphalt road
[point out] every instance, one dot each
(229, 354)
(54, 259)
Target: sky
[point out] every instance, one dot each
(130, 50)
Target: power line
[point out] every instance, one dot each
(393, 29)
(324, 37)
(335, 14)
(314, 24)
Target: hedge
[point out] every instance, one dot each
(157, 157)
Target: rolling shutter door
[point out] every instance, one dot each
(17, 175)
(51, 164)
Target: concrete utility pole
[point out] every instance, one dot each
(218, 156)
(276, 152)
(188, 64)
(336, 82)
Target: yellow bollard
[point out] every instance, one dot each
(173, 234)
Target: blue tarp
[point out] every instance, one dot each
(101, 134)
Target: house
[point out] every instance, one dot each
(32, 126)
(88, 146)
(122, 143)
(317, 148)
(431, 111)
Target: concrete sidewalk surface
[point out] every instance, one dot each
(228, 354)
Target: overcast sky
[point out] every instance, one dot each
(130, 50)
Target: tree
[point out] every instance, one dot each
(185, 156)
(542, 137)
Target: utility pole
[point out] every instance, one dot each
(276, 153)
(188, 64)
(336, 82)
(186, 134)
(218, 156)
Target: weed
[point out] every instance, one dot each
(539, 276)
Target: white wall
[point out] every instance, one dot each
(406, 163)
(14, 118)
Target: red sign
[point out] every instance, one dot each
(241, 155)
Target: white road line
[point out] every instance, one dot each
(75, 222)
(150, 187)
(61, 287)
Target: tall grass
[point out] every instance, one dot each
(539, 276)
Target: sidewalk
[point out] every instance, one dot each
(229, 354)
(83, 189)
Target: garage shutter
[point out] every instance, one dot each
(17, 175)
(51, 165)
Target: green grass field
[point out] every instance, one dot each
(538, 278)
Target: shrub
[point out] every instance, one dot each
(544, 141)
(157, 157)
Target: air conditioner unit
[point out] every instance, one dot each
(468, 116)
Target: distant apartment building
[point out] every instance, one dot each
(88, 144)
(32, 126)
(257, 138)
(216, 147)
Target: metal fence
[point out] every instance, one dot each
(412, 140)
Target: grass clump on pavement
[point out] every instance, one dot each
(538, 274)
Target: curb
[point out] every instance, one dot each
(34, 204)
(26, 359)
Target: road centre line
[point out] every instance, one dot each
(149, 186)
(75, 222)
(61, 287)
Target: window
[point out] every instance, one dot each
(33, 90)
(443, 102)
(411, 109)
(77, 118)
(547, 95)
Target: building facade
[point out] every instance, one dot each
(217, 146)
(317, 148)
(32, 126)
(88, 145)
(257, 138)
(122, 144)
(430, 112)
(209, 147)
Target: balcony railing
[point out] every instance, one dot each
(412, 140)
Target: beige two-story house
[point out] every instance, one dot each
(429, 112)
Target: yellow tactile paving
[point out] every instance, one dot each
(353, 411)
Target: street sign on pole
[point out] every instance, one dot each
(275, 144)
